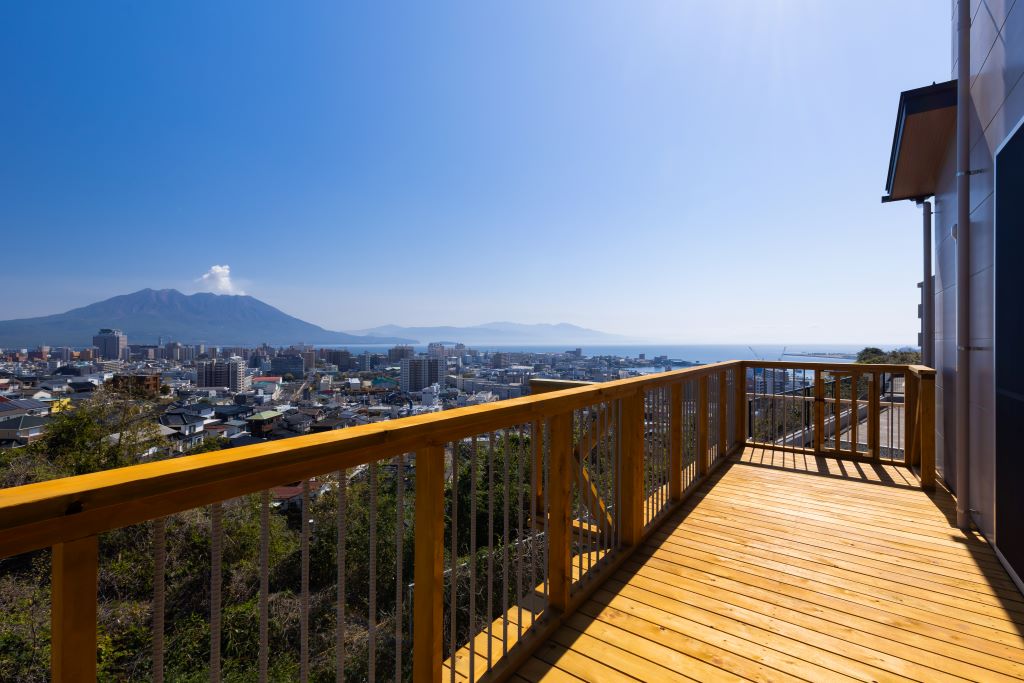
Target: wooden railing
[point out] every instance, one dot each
(581, 473)
(883, 413)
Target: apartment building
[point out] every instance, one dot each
(221, 372)
(417, 373)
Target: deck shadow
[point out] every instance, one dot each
(578, 644)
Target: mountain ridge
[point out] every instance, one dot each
(151, 314)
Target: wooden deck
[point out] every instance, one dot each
(786, 567)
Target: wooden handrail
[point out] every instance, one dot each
(38, 515)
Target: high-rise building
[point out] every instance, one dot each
(111, 344)
(397, 353)
(309, 359)
(220, 372)
(340, 357)
(293, 365)
(418, 373)
(174, 351)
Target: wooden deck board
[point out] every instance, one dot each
(788, 567)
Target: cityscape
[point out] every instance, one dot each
(237, 396)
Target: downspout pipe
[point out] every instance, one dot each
(963, 255)
(927, 290)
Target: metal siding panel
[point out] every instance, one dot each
(982, 306)
(999, 75)
(982, 437)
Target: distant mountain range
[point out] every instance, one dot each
(150, 314)
(502, 333)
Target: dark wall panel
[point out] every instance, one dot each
(1009, 350)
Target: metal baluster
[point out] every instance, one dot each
(264, 598)
(662, 450)
(304, 587)
(578, 415)
(453, 580)
(666, 456)
(892, 414)
(399, 554)
(647, 461)
(600, 477)
(216, 541)
(803, 408)
(900, 436)
(785, 408)
(618, 472)
(159, 584)
(545, 473)
(534, 436)
(504, 549)
(584, 493)
(372, 622)
(521, 453)
(490, 548)
(472, 562)
(339, 645)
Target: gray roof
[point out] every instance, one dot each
(24, 422)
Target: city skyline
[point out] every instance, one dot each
(672, 174)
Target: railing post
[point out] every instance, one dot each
(910, 413)
(819, 412)
(926, 428)
(723, 414)
(740, 391)
(560, 499)
(428, 571)
(703, 461)
(875, 416)
(73, 610)
(675, 460)
(632, 515)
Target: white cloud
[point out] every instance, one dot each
(218, 280)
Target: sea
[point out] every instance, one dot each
(690, 353)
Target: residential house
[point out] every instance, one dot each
(21, 430)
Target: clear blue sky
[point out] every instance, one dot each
(687, 171)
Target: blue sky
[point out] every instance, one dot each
(693, 172)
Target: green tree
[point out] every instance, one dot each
(873, 354)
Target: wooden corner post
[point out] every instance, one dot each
(428, 571)
(632, 514)
(911, 411)
(73, 610)
(926, 429)
(740, 399)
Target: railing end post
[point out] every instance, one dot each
(74, 572)
(428, 571)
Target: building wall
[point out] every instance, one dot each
(997, 105)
